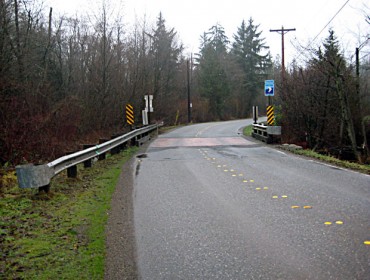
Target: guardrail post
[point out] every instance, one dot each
(44, 189)
(123, 146)
(116, 149)
(72, 170)
(87, 163)
(102, 155)
(133, 141)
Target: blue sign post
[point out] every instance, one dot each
(269, 88)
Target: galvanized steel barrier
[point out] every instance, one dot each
(39, 176)
(266, 133)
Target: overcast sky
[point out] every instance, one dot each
(191, 18)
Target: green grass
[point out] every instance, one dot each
(59, 235)
(364, 168)
(248, 130)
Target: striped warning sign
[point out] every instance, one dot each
(270, 115)
(130, 114)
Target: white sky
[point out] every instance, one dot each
(191, 18)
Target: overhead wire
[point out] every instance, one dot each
(336, 14)
(330, 20)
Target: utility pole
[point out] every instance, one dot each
(357, 54)
(282, 31)
(188, 84)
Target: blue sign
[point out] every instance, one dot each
(269, 87)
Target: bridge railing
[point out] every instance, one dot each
(266, 133)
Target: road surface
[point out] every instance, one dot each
(210, 204)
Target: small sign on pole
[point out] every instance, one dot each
(269, 88)
(270, 115)
(145, 117)
(149, 103)
(255, 114)
(130, 114)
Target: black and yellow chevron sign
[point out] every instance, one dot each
(270, 115)
(130, 114)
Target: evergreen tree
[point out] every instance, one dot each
(334, 66)
(250, 53)
(212, 77)
(165, 54)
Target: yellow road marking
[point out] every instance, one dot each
(328, 223)
(367, 242)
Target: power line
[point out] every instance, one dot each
(330, 20)
(310, 43)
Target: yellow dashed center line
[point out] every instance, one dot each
(328, 223)
(336, 222)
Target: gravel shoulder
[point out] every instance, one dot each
(120, 241)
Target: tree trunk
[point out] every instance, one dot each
(46, 55)
(18, 43)
(347, 118)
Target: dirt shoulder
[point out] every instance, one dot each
(120, 260)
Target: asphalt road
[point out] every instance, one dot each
(210, 204)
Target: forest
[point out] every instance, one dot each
(65, 81)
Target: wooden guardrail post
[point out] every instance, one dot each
(72, 170)
(44, 189)
(88, 163)
(116, 149)
(102, 155)
(123, 146)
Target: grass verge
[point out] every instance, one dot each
(363, 168)
(248, 130)
(59, 235)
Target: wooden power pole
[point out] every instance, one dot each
(282, 31)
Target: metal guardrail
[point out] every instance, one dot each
(266, 133)
(37, 176)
